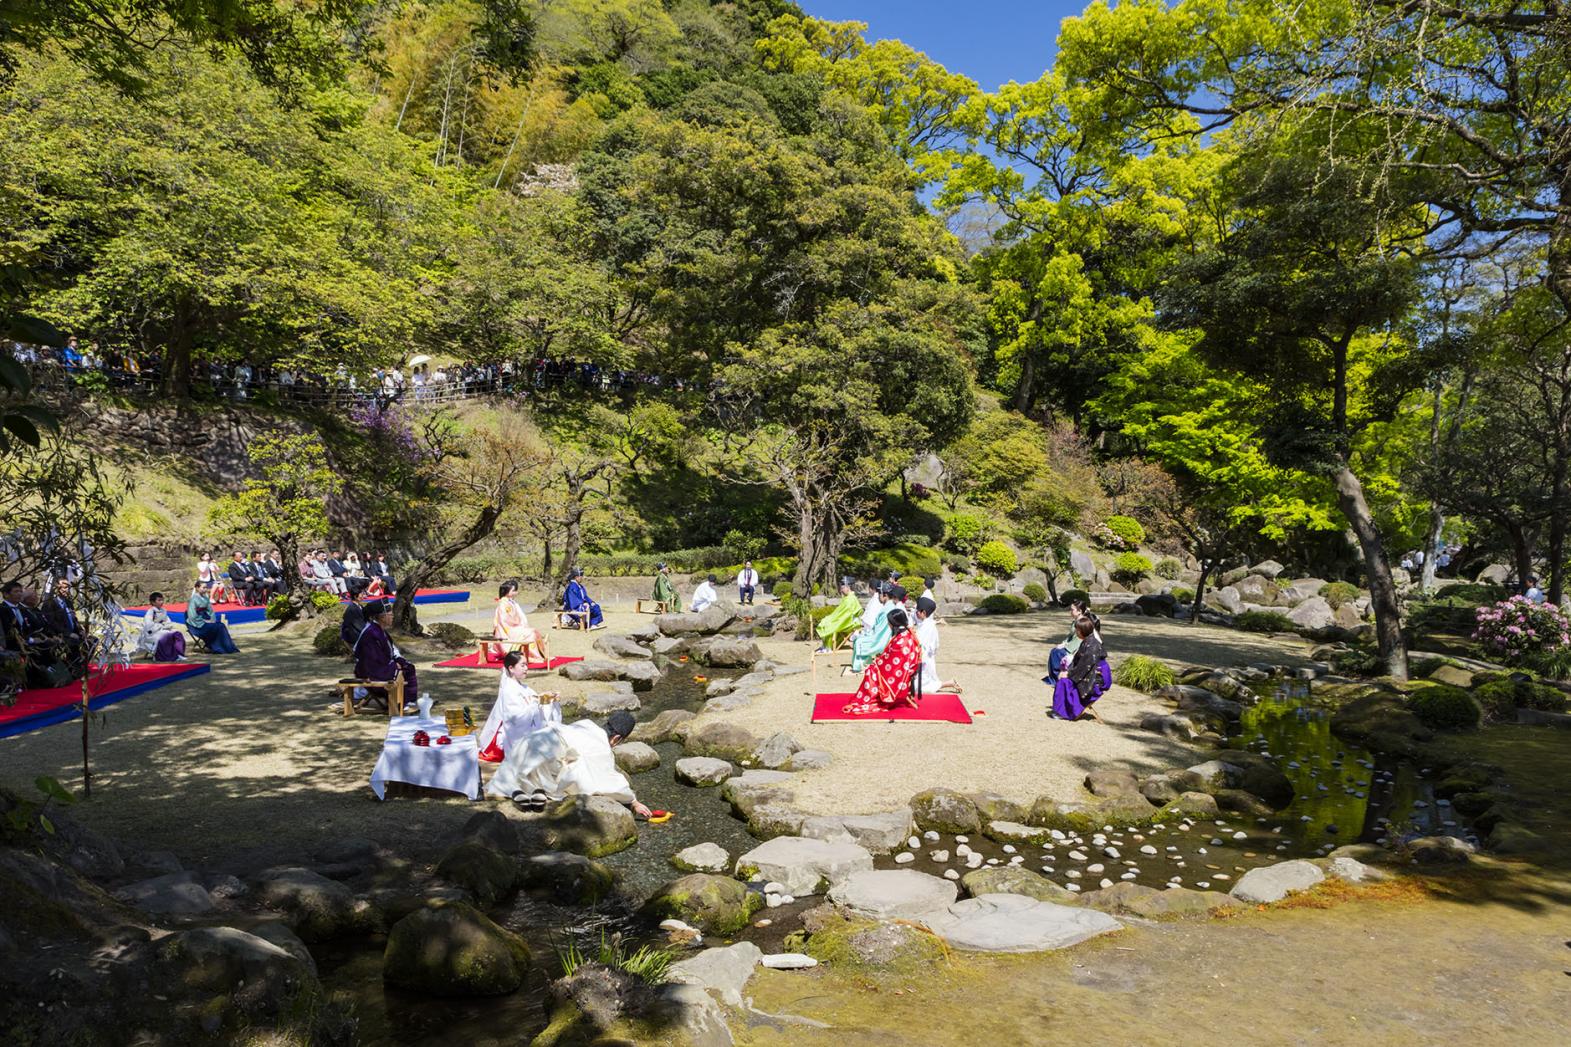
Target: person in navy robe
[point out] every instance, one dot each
(577, 599)
(376, 656)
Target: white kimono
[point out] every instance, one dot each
(703, 596)
(562, 759)
(518, 713)
(927, 635)
(870, 614)
(155, 623)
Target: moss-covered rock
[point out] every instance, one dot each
(481, 870)
(1444, 708)
(593, 826)
(1380, 720)
(1500, 699)
(721, 740)
(451, 634)
(452, 949)
(945, 811)
(1003, 879)
(570, 878)
(1090, 817)
(899, 948)
(715, 904)
(329, 643)
(1151, 903)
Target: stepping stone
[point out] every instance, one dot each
(801, 866)
(1015, 923)
(890, 894)
(703, 771)
(702, 858)
(1272, 883)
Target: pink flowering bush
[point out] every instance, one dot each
(1519, 632)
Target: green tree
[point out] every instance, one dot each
(284, 504)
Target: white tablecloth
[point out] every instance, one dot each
(455, 766)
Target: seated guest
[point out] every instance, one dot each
(509, 624)
(665, 592)
(746, 583)
(576, 598)
(927, 636)
(887, 682)
(261, 577)
(377, 658)
(240, 580)
(202, 623)
(842, 621)
(705, 594)
(13, 623)
(62, 624)
(1081, 684)
(46, 659)
(354, 621)
(323, 578)
(274, 566)
(378, 568)
(160, 637)
(206, 569)
(870, 641)
(338, 567)
(519, 711)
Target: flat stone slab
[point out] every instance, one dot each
(609, 702)
(702, 858)
(635, 757)
(879, 833)
(723, 970)
(1014, 832)
(1272, 883)
(888, 894)
(789, 961)
(1015, 923)
(802, 865)
(169, 894)
(808, 760)
(703, 771)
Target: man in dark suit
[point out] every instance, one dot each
(379, 568)
(273, 566)
(55, 633)
(265, 586)
(13, 623)
(335, 565)
(354, 621)
(240, 579)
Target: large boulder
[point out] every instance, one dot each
(718, 615)
(803, 866)
(776, 818)
(1157, 605)
(1015, 923)
(1107, 781)
(635, 757)
(593, 669)
(1012, 879)
(1267, 569)
(889, 894)
(317, 908)
(1017, 833)
(603, 703)
(670, 725)
(621, 647)
(1204, 703)
(589, 825)
(452, 949)
(1272, 883)
(1257, 589)
(879, 833)
(680, 624)
(1169, 785)
(722, 740)
(1048, 813)
(715, 904)
(1168, 725)
(1313, 613)
(1227, 598)
(178, 893)
(752, 789)
(722, 970)
(703, 771)
(643, 674)
(570, 878)
(487, 874)
(945, 811)
(241, 978)
(774, 751)
(726, 652)
(494, 829)
(702, 858)
(1304, 588)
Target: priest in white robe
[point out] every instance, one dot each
(704, 596)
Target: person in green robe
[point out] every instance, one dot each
(665, 592)
(874, 637)
(844, 620)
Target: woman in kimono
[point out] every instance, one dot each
(376, 656)
(509, 625)
(1081, 684)
(665, 592)
(887, 682)
(840, 622)
(576, 598)
(870, 642)
(519, 711)
(160, 637)
(202, 623)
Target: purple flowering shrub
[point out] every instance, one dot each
(1520, 632)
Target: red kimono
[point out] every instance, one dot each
(887, 681)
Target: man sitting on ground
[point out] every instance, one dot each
(704, 596)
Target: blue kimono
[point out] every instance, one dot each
(577, 599)
(870, 643)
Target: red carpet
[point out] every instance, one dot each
(472, 661)
(40, 708)
(935, 708)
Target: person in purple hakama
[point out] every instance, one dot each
(376, 657)
(1083, 683)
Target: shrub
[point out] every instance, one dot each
(1358, 661)
(913, 584)
(279, 609)
(957, 563)
(1129, 568)
(324, 601)
(1445, 708)
(904, 559)
(328, 642)
(1004, 603)
(1338, 593)
(1263, 622)
(1069, 596)
(1501, 699)
(1144, 673)
(997, 559)
(965, 533)
(1474, 593)
(742, 545)
(1519, 632)
(983, 581)
(1034, 592)
(1169, 568)
(1183, 595)
(1121, 532)
(451, 634)
(914, 538)
(782, 591)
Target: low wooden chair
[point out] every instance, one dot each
(570, 620)
(394, 689)
(482, 647)
(661, 607)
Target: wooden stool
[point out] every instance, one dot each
(483, 646)
(566, 620)
(661, 607)
(393, 687)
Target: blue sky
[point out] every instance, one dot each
(991, 41)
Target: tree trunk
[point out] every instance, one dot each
(289, 559)
(1377, 569)
(1521, 552)
(1557, 530)
(1200, 590)
(818, 550)
(426, 569)
(1023, 390)
(177, 363)
(1437, 523)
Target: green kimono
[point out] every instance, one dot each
(840, 622)
(665, 592)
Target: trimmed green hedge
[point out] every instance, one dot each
(1034, 592)
(1069, 596)
(1130, 567)
(1263, 622)
(997, 559)
(1501, 699)
(1127, 528)
(1444, 708)
(1004, 603)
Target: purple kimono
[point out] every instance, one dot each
(377, 659)
(1085, 681)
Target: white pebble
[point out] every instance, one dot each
(1009, 848)
(1078, 856)
(1202, 883)
(915, 843)
(1073, 874)
(1240, 836)
(1106, 882)
(962, 851)
(992, 861)
(930, 835)
(1216, 841)
(962, 839)
(1096, 868)
(1111, 852)
(904, 858)
(1148, 849)
(774, 888)
(1127, 876)
(939, 856)
(950, 874)
(1073, 886)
